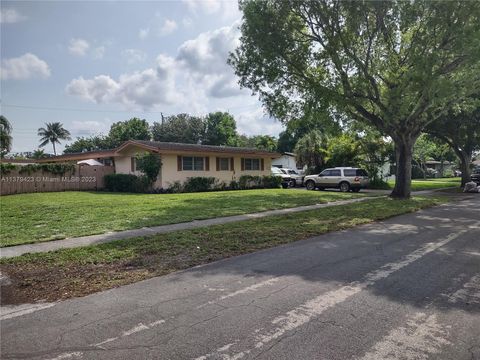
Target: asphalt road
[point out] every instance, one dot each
(406, 288)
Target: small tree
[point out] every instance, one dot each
(149, 164)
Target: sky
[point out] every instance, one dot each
(88, 64)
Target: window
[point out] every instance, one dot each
(134, 164)
(223, 164)
(349, 173)
(252, 164)
(326, 173)
(194, 163)
(335, 173)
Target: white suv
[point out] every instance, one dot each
(343, 178)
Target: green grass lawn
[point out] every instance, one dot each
(75, 272)
(30, 218)
(430, 184)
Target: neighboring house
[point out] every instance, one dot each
(439, 168)
(181, 161)
(287, 160)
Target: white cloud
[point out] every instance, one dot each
(198, 78)
(134, 55)
(10, 16)
(226, 9)
(168, 27)
(78, 47)
(87, 128)
(145, 89)
(24, 67)
(143, 33)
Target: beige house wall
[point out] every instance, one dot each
(169, 172)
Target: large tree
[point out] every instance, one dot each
(385, 63)
(53, 133)
(220, 129)
(133, 129)
(460, 129)
(181, 128)
(5, 136)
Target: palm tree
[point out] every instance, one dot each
(53, 133)
(311, 150)
(39, 154)
(5, 136)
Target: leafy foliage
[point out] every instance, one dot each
(383, 63)
(133, 129)
(5, 136)
(53, 133)
(126, 183)
(220, 129)
(311, 150)
(149, 164)
(181, 128)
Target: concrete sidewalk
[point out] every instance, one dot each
(12, 251)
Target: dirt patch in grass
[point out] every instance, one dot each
(77, 272)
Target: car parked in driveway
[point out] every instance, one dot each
(476, 175)
(287, 180)
(343, 178)
(294, 175)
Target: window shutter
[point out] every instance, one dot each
(207, 163)
(243, 164)
(218, 164)
(179, 163)
(232, 164)
(132, 164)
(262, 164)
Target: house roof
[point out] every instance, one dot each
(158, 146)
(97, 154)
(180, 147)
(18, 161)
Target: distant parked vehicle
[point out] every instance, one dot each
(457, 173)
(294, 175)
(343, 178)
(476, 176)
(287, 180)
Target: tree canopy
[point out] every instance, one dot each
(133, 129)
(220, 129)
(384, 63)
(181, 128)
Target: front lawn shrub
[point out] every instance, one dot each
(271, 182)
(126, 183)
(199, 184)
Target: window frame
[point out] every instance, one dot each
(194, 160)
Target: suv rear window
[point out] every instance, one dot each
(354, 172)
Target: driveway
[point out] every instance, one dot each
(405, 288)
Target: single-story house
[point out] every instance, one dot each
(181, 161)
(439, 167)
(286, 160)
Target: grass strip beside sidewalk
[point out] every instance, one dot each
(75, 272)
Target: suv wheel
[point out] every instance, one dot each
(344, 186)
(310, 185)
(292, 183)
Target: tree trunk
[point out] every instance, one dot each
(54, 150)
(403, 173)
(465, 167)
